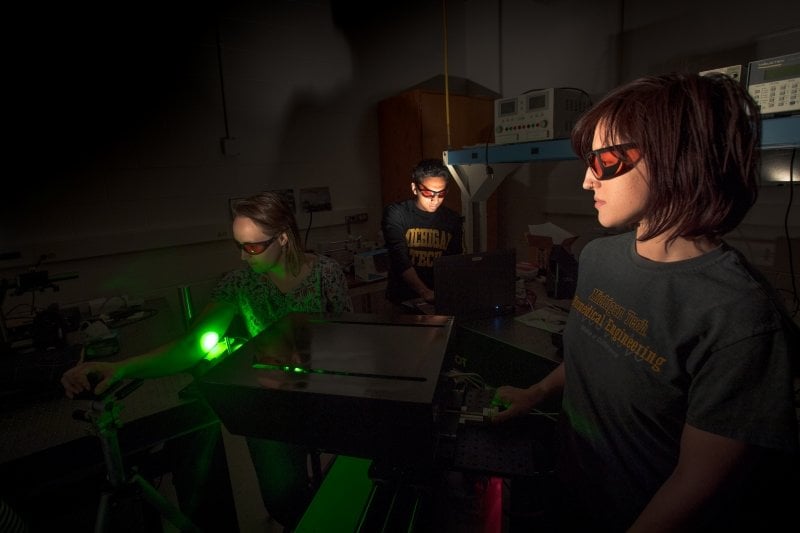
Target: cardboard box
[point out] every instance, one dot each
(549, 248)
(539, 248)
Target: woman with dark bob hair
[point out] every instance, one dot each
(677, 377)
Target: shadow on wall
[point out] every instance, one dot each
(128, 138)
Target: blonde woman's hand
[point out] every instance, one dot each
(94, 377)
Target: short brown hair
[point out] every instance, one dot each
(699, 137)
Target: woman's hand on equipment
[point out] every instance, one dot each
(94, 377)
(512, 402)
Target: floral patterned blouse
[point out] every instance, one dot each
(261, 303)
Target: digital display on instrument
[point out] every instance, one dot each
(509, 107)
(782, 72)
(537, 102)
(774, 84)
(538, 114)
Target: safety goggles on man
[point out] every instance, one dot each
(612, 161)
(429, 193)
(255, 248)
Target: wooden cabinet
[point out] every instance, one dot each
(413, 126)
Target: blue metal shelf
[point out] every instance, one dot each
(776, 132)
(553, 150)
(468, 163)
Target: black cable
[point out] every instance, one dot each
(796, 300)
(587, 95)
(10, 521)
(489, 169)
(10, 312)
(222, 83)
(308, 229)
(500, 47)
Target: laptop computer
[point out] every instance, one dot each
(477, 285)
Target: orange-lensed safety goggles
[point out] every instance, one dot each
(612, 161)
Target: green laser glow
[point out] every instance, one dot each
(209, 340)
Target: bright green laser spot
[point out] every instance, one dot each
(209, 340)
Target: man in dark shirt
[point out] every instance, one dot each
(419, 230)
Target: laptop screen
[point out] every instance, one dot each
(477, 285)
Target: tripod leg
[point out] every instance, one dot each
(103, 513)
(169, 511)
(119, 505)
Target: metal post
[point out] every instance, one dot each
(187, 306)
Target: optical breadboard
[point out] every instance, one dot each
(774, 84)
(538, 115)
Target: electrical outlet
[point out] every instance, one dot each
(355, 219)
